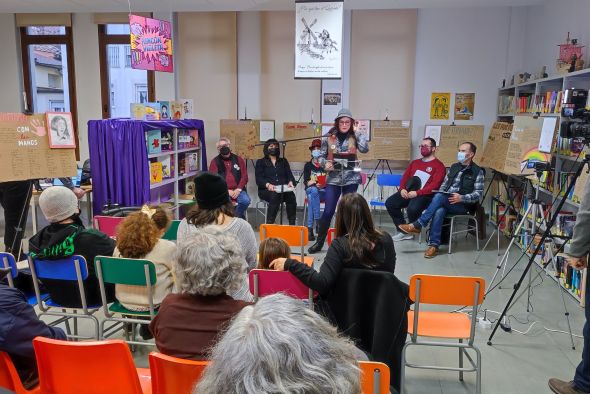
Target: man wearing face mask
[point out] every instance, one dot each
(275, 181)
(314, 189)
(413, 195)
(66, 236)
(233, 169)
(460, 192)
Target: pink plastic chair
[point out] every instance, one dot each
(107, 224)
(267, 282)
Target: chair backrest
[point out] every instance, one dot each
(174, 375)
(374, 377)
(363, 178)
(7, 260)
(389, 179)
(331, 235)
(125, 271)
(9, 378)
(107, 224)
(85, 367)
(295, 236)
(62, 269)
(172, 233)
(267, 282)
(447, 290)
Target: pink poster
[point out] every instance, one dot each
(151, 44)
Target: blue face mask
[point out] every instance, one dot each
(316, 153)
(461, 156)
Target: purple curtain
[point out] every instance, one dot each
(118, 158)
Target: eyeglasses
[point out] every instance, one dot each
(344, 122)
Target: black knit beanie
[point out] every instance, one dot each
(210, 190)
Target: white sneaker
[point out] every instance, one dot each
(402, 237)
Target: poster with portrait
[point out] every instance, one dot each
(318, 39)
(440, 104)
(464, 106)
(61, 130)
(151, 44)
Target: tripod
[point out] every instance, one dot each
(540, 244)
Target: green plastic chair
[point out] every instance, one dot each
(134, 272)
(172, 232)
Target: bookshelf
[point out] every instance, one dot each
(543, 97)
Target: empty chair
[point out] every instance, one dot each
(107, 224)
(374, 377)
(384, 180)
(88, 367)
(9, 378)
(173, 374)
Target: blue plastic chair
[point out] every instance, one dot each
(72, 268)
(383, 180)
(8, 261)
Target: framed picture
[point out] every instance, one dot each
(61, 130)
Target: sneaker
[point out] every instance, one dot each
(563, 387)
(402, 237)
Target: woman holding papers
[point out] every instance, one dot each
(416, 187)
(339, 157)
(276, 182)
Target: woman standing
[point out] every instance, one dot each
(342, 143)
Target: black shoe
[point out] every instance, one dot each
(317, 247)
(144, 331)
(310, 236)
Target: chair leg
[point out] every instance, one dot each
(476, 233)
(402, 381)
(75, 323)
(478, 371)
(451, 235)
(461, 360)
(67, 323)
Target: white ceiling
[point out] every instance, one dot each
(16, 6)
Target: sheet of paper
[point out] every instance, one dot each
(433, 131)
(547, 133)
(424, 177)
(267, 130)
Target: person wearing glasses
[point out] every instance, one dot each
(416, 188)
(341, 143)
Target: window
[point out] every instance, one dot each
(121, 86)
(48, 59)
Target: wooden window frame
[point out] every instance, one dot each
(104, 40)
(66, 39)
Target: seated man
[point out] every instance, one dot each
(18, 326)
(460, 192)
(416, 198)
(233, 169)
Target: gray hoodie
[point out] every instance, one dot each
(580, 244)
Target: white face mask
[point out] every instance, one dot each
(461, 156)
(316, 153)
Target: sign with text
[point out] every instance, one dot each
(452, 136)
(298, 151)
(318, 39)
(494, 154)
(524, 146)
(151, 44)
(390, 140)
(25, 151)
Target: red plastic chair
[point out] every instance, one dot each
(174, 375)
(107, 224)
(88, 367)
(9, 378)
(331, 235)
(267, 282)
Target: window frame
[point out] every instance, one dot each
(104, 40)
(66, 39)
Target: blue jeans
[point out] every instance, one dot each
(436, 211)
(582, 376)
(332, 196)
(243, 201)
(314, 197)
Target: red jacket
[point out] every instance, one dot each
(435, 168)
(229, 176)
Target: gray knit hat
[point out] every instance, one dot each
(58, 203)
(342, 113)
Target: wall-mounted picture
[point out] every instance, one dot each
(61, 130)
(464, 106)
(440, 104)
(332, 98)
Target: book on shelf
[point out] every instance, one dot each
(166, 141)
(164, 110)
(176, 109)
(192, 163)
(137, 111)
(187, 108)
(572, 278)
(154, 145)
(152, 111)
(155, 172)
(188, 139)
(167, 166)
(506, 104)
(189, 187)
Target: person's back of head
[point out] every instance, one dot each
(138, 233)
(270, 249)
(212, 198)
(279, 345)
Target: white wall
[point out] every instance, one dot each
(460, 50)
(11, 98)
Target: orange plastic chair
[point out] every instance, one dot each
(295, 236)
(374, 377)
(88, 367)
(445, 290)
(9, 378)
(107, 224)
(331, 235)
(174, 375)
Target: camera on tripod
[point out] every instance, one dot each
(574, 109)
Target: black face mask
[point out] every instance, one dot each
(272, 151)
(225, 150)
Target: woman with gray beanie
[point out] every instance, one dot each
(66, 236)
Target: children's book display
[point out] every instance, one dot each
(163, 110)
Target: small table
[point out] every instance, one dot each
(35, 201)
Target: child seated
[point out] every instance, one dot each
(270, 249)
(139, 237)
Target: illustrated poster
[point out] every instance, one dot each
(151, 44)
(464, 106)
(440, 104)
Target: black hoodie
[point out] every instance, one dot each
(61, 240)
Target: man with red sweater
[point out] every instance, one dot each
(233, 169)
(413, 195)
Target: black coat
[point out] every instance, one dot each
(277, 174)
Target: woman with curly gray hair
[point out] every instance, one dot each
(208, 266)
(281, 346)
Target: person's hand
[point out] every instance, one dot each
(278, 264)
(329, 166)
(412, 194)
(578, 262)
(404, 193)
(310, 182)
(270, 187)
(290, 184)
(455, 198)
(79, 192)
(232, 194)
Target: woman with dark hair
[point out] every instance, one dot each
(273, 176)
(339, 154)
(358, 244)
